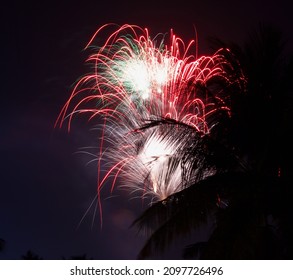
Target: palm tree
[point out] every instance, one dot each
(179, 213)
(248, 199)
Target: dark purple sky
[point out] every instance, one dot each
(45, 185)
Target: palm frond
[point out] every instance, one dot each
(184, 211)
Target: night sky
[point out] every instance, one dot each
(46, 185)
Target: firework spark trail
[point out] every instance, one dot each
(137, 80)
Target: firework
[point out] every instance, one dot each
(156, 101)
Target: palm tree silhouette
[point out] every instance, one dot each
(248, 199)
